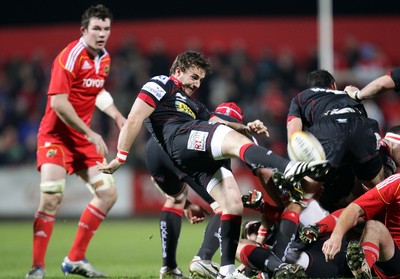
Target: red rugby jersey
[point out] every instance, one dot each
(385, 195)
(75, 72)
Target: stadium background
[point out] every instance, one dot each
(261, 50)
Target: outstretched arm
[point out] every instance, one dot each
(139, 112)
(372, 89)
(255, 127)
(346, 221)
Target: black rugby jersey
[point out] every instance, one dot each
(395, 75)
(314, 103)
(172, 107)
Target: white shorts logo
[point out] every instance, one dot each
(197, 140)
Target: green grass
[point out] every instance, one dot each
(121, 248)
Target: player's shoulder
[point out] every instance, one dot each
(160, 81)
(309, 91)
(74, 47)
(393, 180)
(158, 86)
(71, 53)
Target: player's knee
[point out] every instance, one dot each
(101, 182)
(243, 253)
(53, 186)
(178, 199)
(375, 227)
(232, 207)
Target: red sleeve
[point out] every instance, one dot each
(146, 98)
(290, 117)
(61, 78)
(380, 196)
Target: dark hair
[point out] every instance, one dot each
(320, 78)
(98, 11)
(190, 58)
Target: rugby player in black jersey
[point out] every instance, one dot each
(199, 142)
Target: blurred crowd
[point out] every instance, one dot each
(263, 87)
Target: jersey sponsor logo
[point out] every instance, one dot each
(86, 65)
(182, 107)
(197, 141)
(91, 82)
(51, 153)
(154, 89)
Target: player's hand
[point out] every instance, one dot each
(257, 127)
(351, 91)
(331, 247)
(253, 200)
(108, 168)
(195, 213)
(98, 141)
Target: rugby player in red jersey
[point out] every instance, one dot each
(379, 244)
(67, 144)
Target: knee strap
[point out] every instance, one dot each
(100, 182)
(53, 186)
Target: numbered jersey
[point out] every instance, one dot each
(312, 104)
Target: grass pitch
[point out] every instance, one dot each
(121, 248)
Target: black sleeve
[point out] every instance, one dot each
(395, 75)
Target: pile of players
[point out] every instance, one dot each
(296, 236)
(360, 237)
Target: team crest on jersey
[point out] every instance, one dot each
(51, 153)
(182, 107)
(107, 69)
(197, 141)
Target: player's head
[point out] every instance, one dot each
(188, 59)
(96, 28)
(321, 79)
(96, 11)
(230, 112)
(189, 69)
